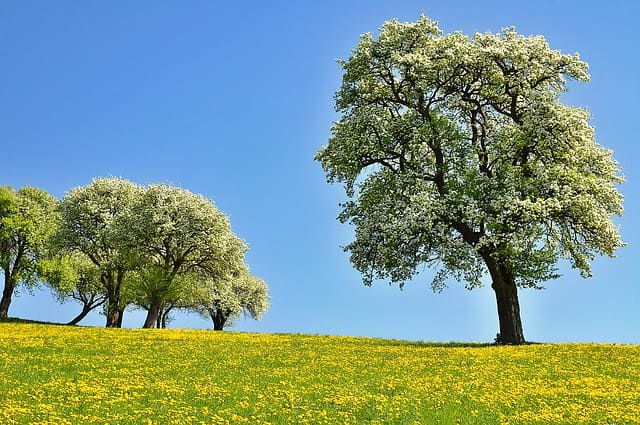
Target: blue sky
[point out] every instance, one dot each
(232, 100)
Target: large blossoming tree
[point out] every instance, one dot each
(458, 153)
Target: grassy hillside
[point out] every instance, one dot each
(63, 375)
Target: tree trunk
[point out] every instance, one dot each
(85, 310)
(152, 314)
(218, 318)
(7, 293)
(163, 317)
(113, 315)
(506, 292)
(112, 281)
(89, 303)
(120, 316)
(113, 299)
(508, 314)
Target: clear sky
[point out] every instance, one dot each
(233, 99)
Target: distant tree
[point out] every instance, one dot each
(27, 220)
(224, 299)
(175, 234)
(92, 218)
(458, 153)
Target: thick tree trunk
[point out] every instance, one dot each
(508, 314)
(152, 314)
(218, 318)
(113, 299)
(112, 281)
(7, 293)
(218, 325)
(506, 292)
(113, 315)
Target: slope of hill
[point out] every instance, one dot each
(73, 375)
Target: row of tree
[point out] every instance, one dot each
(115, 244)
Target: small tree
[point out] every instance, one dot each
(458, 153)
(74, 277)
(225, 298)
(148, 289)
(27, 220)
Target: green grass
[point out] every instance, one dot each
(60, 374)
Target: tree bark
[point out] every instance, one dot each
(152, 314)
(508, 314)
(218, 318)
(120, 316)
(506, 292)
(113, 299)
(112, 281)
(113, 315)
(7, 293)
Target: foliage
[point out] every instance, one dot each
(67, 375)
(113, 242)
(461, 145)
(91, 217)
(27, 220)
(64, 274)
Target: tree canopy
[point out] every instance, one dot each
(456, 152)
(27, 220)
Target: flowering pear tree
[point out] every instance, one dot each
(457, 152)
(92, 219)
(224, 298)
(176, 234)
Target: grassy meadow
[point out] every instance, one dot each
(75, 375)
